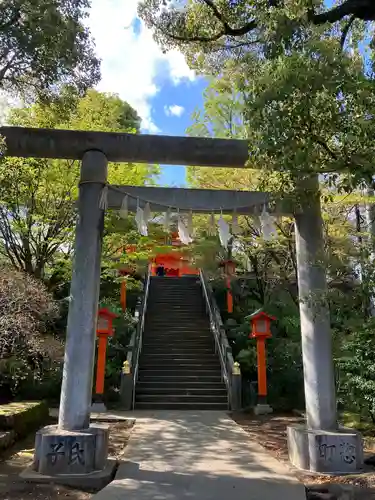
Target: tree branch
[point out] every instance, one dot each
(226, 30)
(360, 9)
(346, 30)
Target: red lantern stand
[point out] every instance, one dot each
(124, 273)
(104, 330)
(229, 267)
(261, 330)
(229, 270)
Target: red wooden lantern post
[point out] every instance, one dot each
(124, 273)
(104, 330)
(229, 269)
(261, 330)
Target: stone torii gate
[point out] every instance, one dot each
(75, 447)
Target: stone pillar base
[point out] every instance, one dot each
(263, 409)
(70, 452)
(339, 452)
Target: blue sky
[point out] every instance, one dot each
(161, 87)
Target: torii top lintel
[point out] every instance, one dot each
(119, 147)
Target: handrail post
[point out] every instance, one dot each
(236, 389)
(126, 387)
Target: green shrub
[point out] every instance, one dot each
(356, 369)
(23, 417)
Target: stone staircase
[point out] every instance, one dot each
(178, 367)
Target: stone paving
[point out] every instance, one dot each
(197, 456)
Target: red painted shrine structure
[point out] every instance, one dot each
(174, 262)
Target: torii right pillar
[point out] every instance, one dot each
(319, 445)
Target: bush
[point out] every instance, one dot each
(356, 369)
(27, 352)
(23, 417)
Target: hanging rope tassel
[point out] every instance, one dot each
(124, 211)
(235, 226)
(147, 212)
(190, 223)
(103, 202)
(211, 226)
(167, 220)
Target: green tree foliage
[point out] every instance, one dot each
(45, 44)
(356, 364)
(37, 214)
(311, 111)
(267, 271)
(212, 30)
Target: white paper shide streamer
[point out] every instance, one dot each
(224, 232)
(183, 232)
(124, 210)
(140, 221)
(267, 224)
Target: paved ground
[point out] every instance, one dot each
(197, 456)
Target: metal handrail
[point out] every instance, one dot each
(218, 330)
(138, 337)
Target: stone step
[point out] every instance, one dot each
(178, 365)
(181, 398)
(172, 310)
(167, 405)
(180, 379)
(174, 339)
(169, 302)
(191, 290)
(180, 384)
(175, 334)
(178, 330)
(181, 391)
(180, 346)
(180, 372)
(181, 323)
(203, 342)
(165, 312)
(172, 351)
(177, 357)
(165, 347)
(192, 316)
(190, 296)
(178, 319)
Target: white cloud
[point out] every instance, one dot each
(173, 110)
(132, 62)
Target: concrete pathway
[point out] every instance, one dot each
(197, 456)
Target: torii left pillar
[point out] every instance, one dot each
(74, 447)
